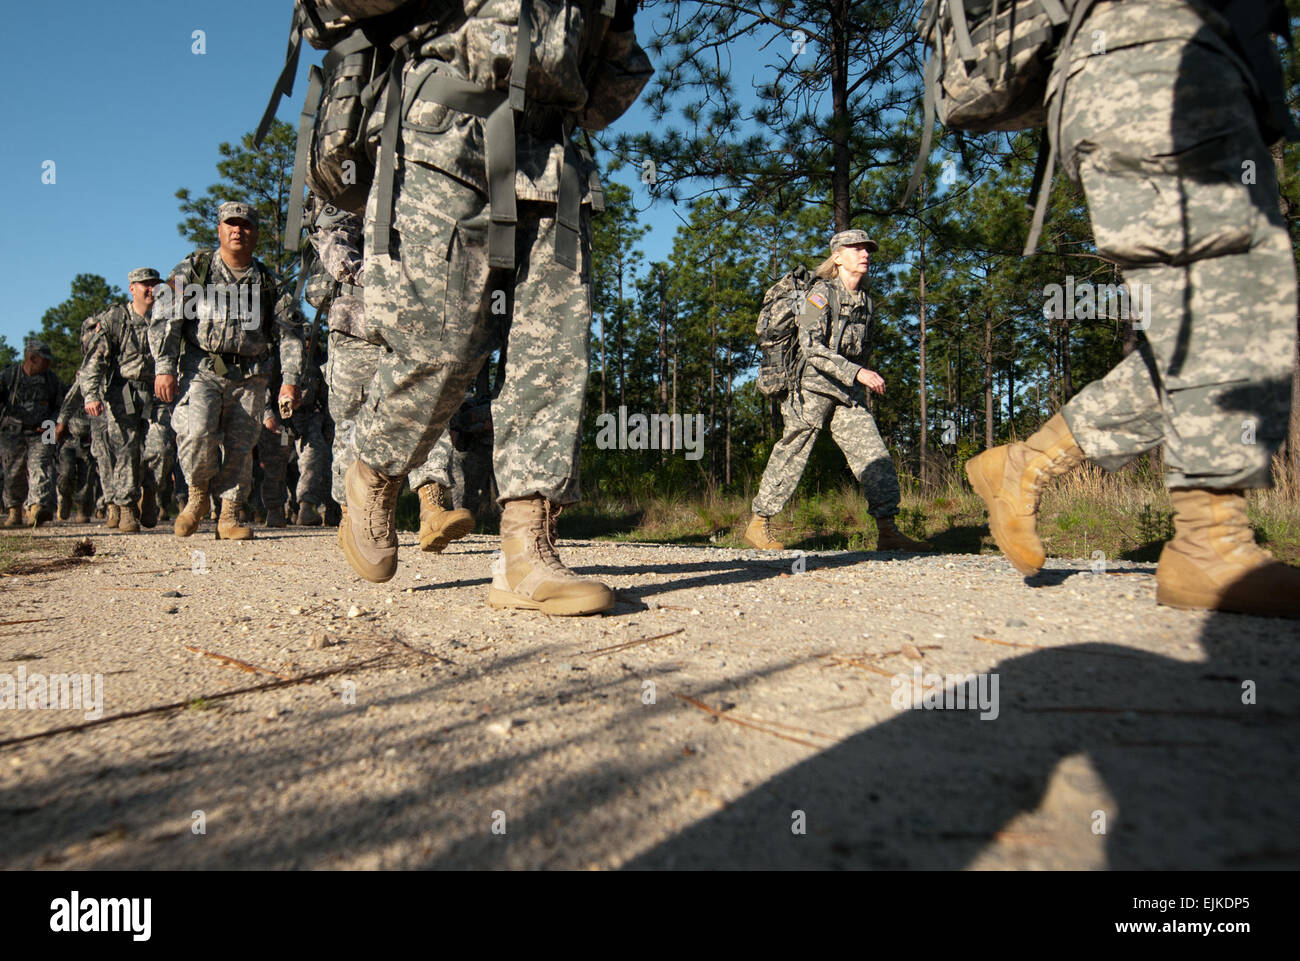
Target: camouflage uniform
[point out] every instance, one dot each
(77, 473)
(828, 388)
(1157, 126)
(218, 416)
(354, 352)
(305, 437)
(31, 407)
(448, 281)
(118, 372)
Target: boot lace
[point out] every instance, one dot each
(379, 516)
(545, 540)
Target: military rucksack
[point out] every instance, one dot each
(780, 361)
(987, 70)
(337, 140)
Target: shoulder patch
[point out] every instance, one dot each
(818, 300)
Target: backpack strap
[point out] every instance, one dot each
(497, 108)
(1044, 168)
(306, 119)
(284, 84)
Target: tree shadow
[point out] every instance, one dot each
(1187, 775)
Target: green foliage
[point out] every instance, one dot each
(61, 324)
(1154, 524)
(260, 176)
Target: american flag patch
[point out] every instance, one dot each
(817, 299)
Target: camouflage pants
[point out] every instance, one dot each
(160, 453)
(1182, 195)
(139, 437)
(28, 458)
(217, 421)
(276, 449)
(441, 310)
(437, 469)
(350, 370)
(103, 454)
(77, 474)
(854, 430)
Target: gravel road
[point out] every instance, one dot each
(736, 709)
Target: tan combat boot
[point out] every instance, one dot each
(343, 522)
(229, 527)
(275, 517)
(148, 508)
(309, 516)
(15, 518)
(890, 538)
(759, 534)
(369, 535)
(1213, 562)
(112, 514)
(128, 520)
(439, 526)
(196, 508)
(530, 575)
(80, 516)
(1009, 479)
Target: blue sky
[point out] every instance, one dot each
(116, 97)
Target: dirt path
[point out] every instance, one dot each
(728, 713)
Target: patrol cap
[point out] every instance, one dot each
(143, 275)
(235, 210)
(850, 238)
(39, 347)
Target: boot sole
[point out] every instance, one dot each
(984, 489)
(562, 607)
(452, 532)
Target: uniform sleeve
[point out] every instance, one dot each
(814, 327)
(339, 250)
(165, 323)
(73, 402)
(289, 332)
(96, 368)
(621, 72)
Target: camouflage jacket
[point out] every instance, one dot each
(336, 236)
(832, 343)
(119, 348)
(29, 401)
(585, 69)
(244, 317)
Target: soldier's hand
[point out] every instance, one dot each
(871, 380)
(291, 394)
(271, 425)
(60, 432)
(164, 387)
(94, 408)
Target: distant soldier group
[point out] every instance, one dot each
(179, 376)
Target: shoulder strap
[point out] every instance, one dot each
(202, 267)
(284, 84)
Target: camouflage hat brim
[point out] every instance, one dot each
(234, 210)
(853, 238)
(143, 275)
